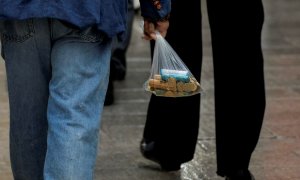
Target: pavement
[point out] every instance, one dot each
(277, 156)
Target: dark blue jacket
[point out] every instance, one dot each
(108, 15)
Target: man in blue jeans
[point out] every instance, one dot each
(57, 56)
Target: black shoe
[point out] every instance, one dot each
(241, 175)
(109, 98)
(149, 152)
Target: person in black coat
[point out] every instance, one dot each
(118, 56)
(172, 124)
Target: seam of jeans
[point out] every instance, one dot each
(50, 21)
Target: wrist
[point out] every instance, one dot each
(166, 18)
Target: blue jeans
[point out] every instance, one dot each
(57, 79)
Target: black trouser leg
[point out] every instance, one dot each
(173, 123)
(119, 49)
(239, 80)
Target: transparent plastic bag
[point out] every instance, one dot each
(169, 76)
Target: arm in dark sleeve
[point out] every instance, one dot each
(155, 10)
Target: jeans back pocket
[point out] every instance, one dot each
(16, 30)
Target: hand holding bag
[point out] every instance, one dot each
(169, 76)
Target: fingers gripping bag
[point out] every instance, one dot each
(169, 76)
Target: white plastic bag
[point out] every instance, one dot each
(169, 76)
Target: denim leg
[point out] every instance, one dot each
(26, 50)
(77, 91)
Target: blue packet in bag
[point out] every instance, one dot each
(182, 76)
